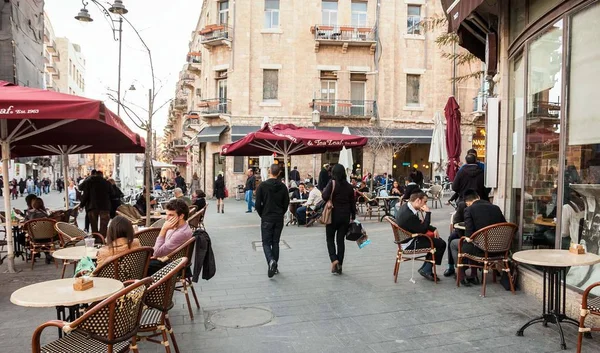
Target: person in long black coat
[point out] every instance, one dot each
(219, 193)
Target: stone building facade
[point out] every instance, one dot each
(362, 64)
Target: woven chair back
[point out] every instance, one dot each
(159, 223)
(495, 238)
(132, 264)
(195, 221)
(68, 232)
(41, 229)
(160, 293)
(184, 250)
(400, 234)
(148, 236)
(116, 318)
(435, 191)
(129, 212)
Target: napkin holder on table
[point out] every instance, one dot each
(576, 249)
(82, 284)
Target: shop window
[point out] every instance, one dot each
(413, 88)
(238, 164)
(580, 219)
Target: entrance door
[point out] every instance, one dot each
(222, 95)
(328, 89)
(357, 94)
(218, 165)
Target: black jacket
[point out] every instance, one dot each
(96, 194)
(204, 259)
(295, 175)
(344, 204)
(250, 183)
(200, 203)
(470, 176)
(272, 200)
(480, 215)
(323, 179)
(297, 195)
(410, 189)
(410, 222)
(459, 216)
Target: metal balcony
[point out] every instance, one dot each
(214, 107)
(178, 143)
(180, 103)
(344, 36)
(340, 108)
(51, 47)
(215, 35)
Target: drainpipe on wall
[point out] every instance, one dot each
(376, 58)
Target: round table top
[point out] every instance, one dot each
(75, 253)
(388, 197)
(298, 201)
(460, 225)
(555, 258)
(60, 292)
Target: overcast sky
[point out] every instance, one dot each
(165, 26)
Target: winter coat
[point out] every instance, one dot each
(470, 176)
(204, 259)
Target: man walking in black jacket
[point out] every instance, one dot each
(470, 176)
(272, 201)
(96, 200)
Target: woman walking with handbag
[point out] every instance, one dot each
(341, 195)
(219, 193)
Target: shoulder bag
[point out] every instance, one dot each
(326, 215)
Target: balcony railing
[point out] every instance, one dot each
(214, 106)
(56, 72)
(180, 103)
(343, 108)
(178, 143)
(216, 35)
(343, 33)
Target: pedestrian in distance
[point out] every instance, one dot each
(180, 182)
(295, 175)
(21, 186)
(249, 189)
(195, 184)
(272, 201)
(341, 193)
(219, 193)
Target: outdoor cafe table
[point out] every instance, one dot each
(75, 253)
(292, 218)
(554, 264)
(386, 205)
(59, 293)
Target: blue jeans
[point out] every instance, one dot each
(301, 215)
(38, 192)
(249, 200)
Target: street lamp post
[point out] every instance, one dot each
(116, 8)
(316, 119)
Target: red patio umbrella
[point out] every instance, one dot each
(452, 113)
(288, 139)
(37, 122)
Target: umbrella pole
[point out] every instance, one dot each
(285, 163)
(65, 178)
(10, 246)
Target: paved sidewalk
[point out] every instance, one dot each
(314, 311)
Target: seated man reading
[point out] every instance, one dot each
(172, 235)
(314, 197)
(478, 215)
(409, 220)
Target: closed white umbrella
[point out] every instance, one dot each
(265, 162)
(128, 173)
(437, 152)
(346, 156)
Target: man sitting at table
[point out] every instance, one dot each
(179, 195)
(172, 235)
(314, 197)
(478, 215)
(409, 219)
(458, 217)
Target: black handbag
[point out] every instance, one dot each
(355, 231)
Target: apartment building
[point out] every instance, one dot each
(71, 66)
(312, 63)
(51, 56)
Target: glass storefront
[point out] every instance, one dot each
(554, 118)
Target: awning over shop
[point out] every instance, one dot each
(182, 159)
(211, 133)
(237, 132)
(458, 10)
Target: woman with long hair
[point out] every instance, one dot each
(219, 193)
(199, 199)
(72, 192)
(119, 238)
(341, 193)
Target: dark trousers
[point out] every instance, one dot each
(104, 217)
(453, 236)
(336, 233)
(271, 233)
(421, 242)
(301, 214)
(155, 265)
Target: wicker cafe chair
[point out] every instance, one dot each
(158, 302)
(435, 195)
(197, 219)
(193, 209)
(400, 235)
(132, 264)
(588, 306)
(69, 235)
(131, 214)
(42, 237)
(107, 327)
(495, 242)
(148, 236)
(184, 250)
(371, 205)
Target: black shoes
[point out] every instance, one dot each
(339, 269)
(248, 211)
(449, 272)
(272, 268)
(427, 275)
(334, 266)
(465, 282)
(473, 280)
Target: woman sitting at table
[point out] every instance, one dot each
(200, 200)
(38, 210)
(119, 238)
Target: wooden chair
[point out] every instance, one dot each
(435, 195)
(148, 236)
(69, 235)
(158, 302)
(400, 236)
(495, 242)
(197, 220)
(371, 205)
(589, 306)
(42, 237)
(108, 326)
(132, 264)
(184, 250)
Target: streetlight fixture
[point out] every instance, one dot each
(118, 8)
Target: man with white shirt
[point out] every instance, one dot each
(314, 197)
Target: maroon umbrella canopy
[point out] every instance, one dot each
(288, 139)
(36, 118)
(452, 113)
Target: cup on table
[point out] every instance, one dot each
(89, 243)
